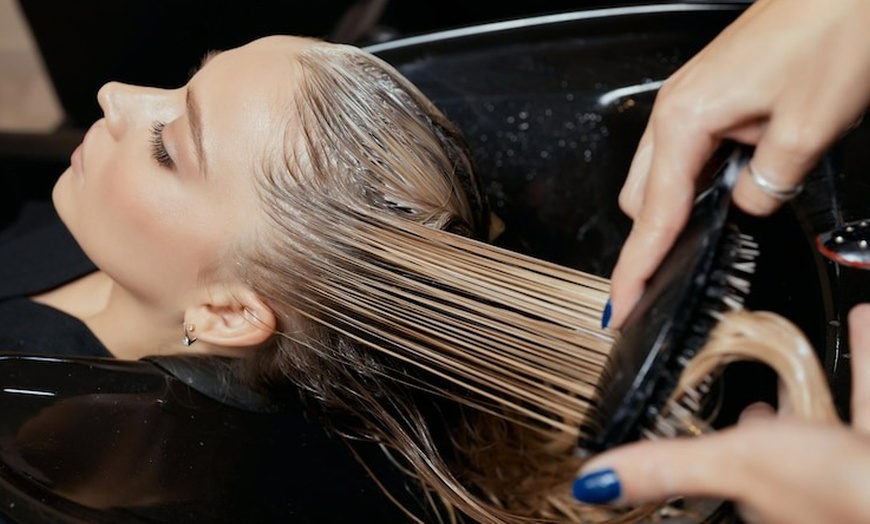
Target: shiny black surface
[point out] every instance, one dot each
(120, 442)
(847, 244)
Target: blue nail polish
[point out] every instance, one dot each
(605, 317)
(598, 487)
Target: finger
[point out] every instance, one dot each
(784, 155)
(755, 412)
(783, 399)
(667, 201)
(631, 195)
(647, 244)
(752, 464)
(651, 471)
(859, 344)
(629, 276)
(781, 471)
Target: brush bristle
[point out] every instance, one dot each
(672, 413)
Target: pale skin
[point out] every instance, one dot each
(159, 191)
(779, 469)
(788, 76)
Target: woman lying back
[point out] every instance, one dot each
(215, 215)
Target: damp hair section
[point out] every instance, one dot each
(475, 368)
(393, 323)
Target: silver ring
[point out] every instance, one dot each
(779, 193)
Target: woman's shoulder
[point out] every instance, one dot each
(32, 328)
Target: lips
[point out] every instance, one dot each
(77, 159)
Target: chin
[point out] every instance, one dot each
(60, 196)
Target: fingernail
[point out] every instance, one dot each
(598, 487)
(605, 317)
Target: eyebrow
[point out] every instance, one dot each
(193, 115)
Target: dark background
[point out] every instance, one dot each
(87, 43)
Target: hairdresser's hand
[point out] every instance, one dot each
(790, 76)
(778, 469)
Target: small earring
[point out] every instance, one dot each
(188, 338)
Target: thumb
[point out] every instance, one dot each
(819, 469)
(652, 471)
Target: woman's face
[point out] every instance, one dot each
(165, 182)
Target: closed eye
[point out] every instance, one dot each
(158, 148)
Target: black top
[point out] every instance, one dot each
(27, 269)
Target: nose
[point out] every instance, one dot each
(127, 107)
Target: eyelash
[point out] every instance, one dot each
(158, 148)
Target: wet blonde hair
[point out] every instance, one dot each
(372, 152)
(369, 163)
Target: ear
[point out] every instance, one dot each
(233, 317)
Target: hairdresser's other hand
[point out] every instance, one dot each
(789, 76)
(777, 469)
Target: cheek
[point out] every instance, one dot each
(151, 230)
(141, 203)
(134, 228)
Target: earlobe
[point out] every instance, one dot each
(233, 318)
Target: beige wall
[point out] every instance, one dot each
(27, 100)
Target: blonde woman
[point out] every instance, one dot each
(220, 218)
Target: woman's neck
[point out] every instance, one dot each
(128, 328)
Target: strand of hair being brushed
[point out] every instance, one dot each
(520, 333)
(489, 380)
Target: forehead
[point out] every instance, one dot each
(265, 50)
(265, 66)
(244, 94)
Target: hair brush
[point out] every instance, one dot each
(706, 271)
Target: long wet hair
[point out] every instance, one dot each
(369, 154)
